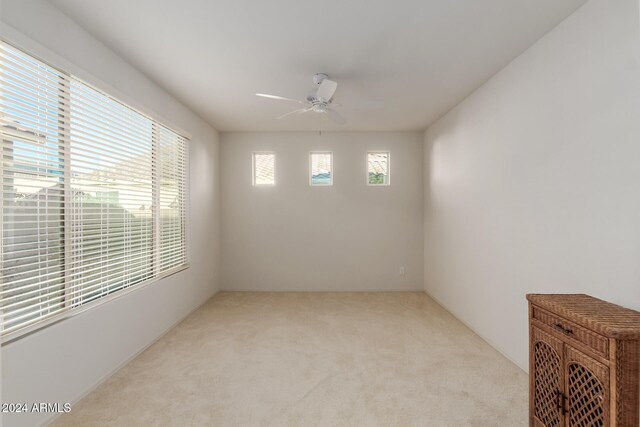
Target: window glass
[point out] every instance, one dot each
(378, 168)
(321, 168)
(264, 169)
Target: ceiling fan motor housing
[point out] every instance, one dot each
(318, 105)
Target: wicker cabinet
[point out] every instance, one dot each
(584, 360)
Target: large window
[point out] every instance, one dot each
(94, 194)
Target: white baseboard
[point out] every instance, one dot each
(126, 361)
(297, 290)
(485, 339)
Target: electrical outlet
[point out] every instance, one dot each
(402, 271)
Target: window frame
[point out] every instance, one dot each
(70, 71)
(388, 182)
(311, 184)
(253, 169)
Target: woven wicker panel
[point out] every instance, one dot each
(547, 384)
(586, 397)
(602, 317)
(571, 330)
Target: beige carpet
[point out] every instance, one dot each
(313, 359)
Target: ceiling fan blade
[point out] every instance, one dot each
(326, 90)
(335, 116)
(281, 98)
(301, 110)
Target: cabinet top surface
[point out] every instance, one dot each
(608, 319)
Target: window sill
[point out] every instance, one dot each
(66, 314)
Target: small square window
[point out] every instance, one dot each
(321, 168)
(378, 168)
(264, 168)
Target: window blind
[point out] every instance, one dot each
(94, 194)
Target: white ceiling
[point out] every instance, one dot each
(420, 57)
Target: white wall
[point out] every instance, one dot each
(347, 237)
(532, 184)
(63, 361)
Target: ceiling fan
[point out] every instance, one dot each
(319, 100)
